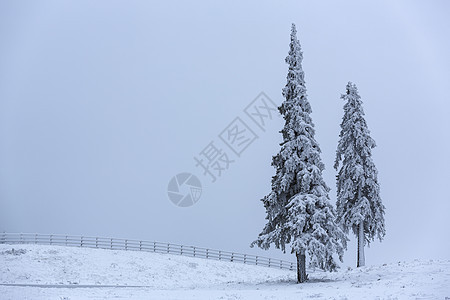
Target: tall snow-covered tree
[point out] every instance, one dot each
(299, 213)
(359, 205)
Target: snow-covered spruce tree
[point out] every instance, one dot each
(358, 203)
(298, 208)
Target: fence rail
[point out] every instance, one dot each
(137, 245)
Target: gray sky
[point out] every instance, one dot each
(102, 102)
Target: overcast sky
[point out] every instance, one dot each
(103, 102)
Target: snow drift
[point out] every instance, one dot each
(59, 272)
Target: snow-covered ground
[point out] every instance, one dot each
(57, 272)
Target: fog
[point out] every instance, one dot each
(103, 102)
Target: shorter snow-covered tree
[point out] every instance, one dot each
(359, 205)
(298, 208)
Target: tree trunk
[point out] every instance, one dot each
(361, 262)
(301, 266)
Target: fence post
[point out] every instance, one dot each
(21, 238)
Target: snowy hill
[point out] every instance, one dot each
(56, 272)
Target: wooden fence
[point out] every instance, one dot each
(136, 245)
